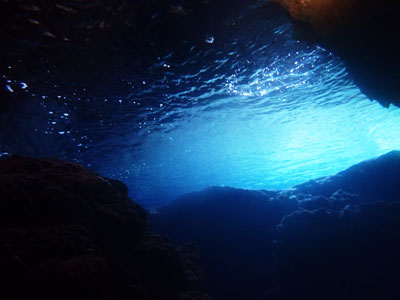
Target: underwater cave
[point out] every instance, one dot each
(214, 149)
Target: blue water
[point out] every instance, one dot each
(243, 104)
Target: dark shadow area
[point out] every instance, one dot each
(67, 233)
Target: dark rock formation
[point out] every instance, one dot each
(340, 199)
(372, 180)
(365, 34)
(351, 255)
(327, 16)
(234, 230)
(315, 202)
(68, 233)
(335, 239)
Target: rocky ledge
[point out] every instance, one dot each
(67, 233)
(331, 238)
(364, 33)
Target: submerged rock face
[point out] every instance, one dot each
(47, 192)
(234, 230)
(332, 238)
(372, 180)
(351, 255)
(364, 33)
(68, 233)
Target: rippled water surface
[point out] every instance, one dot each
(242, 104)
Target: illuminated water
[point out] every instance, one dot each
(248, 106)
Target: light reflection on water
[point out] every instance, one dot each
(262, 111)
(262, 148)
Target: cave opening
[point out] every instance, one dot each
(209, 97)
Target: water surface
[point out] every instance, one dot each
(238, 101)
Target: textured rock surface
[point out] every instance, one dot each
(68, 233)
(364, 33)
(373, 180)
(326, 16)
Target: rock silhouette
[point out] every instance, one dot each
(66, 232)
(365, 34)
(330, 238)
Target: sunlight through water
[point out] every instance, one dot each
(249, 108)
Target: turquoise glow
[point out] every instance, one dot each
(247, 107)
(283, 127)
(268, 151)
